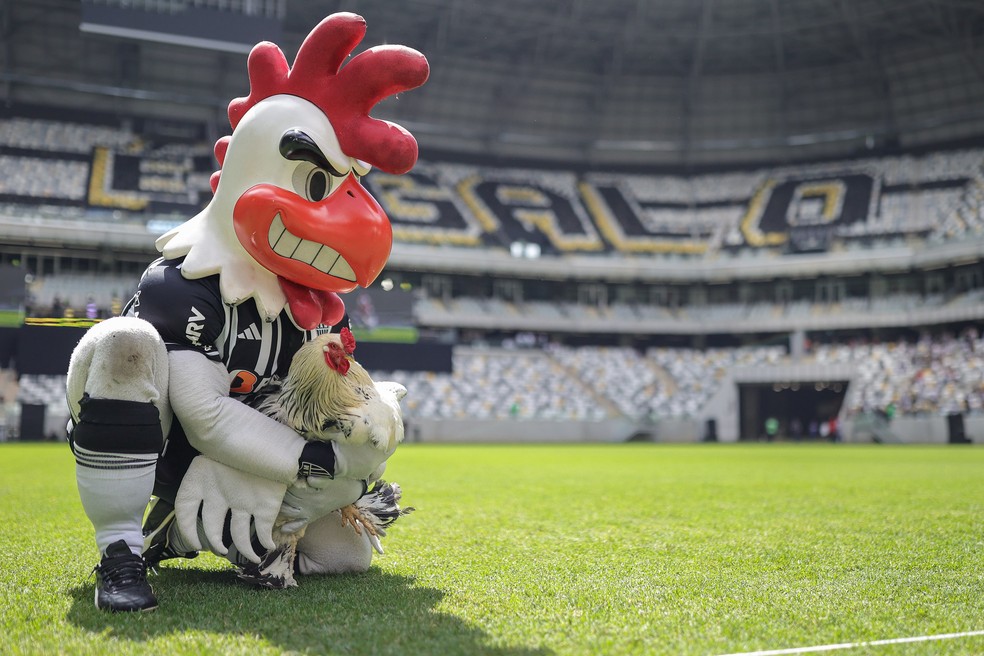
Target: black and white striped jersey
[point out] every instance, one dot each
(190, 314)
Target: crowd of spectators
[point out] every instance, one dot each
(502, 384)
(931, 376)
(78, 296)
(576, 383)
(937, 375)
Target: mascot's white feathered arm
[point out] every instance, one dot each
(250, 459)
(236, 435)
(225, 429)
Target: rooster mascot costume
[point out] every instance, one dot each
(159, 397)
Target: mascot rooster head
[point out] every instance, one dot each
(290, 224)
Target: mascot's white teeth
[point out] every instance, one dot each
(321, 257)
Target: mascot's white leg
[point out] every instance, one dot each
(117, 395)
(330, 548)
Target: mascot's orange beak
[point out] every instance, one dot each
(333, 245)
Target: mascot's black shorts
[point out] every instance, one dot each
(176, 457)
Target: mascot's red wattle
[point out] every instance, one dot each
(290, 224)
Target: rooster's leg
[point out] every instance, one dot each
(351, 516)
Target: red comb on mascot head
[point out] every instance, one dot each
(162, 399)
(288, 192)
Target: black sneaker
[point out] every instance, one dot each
(121, 581)
(156, 545)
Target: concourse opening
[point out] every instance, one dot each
(799, 410)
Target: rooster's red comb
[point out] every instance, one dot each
(345, 95)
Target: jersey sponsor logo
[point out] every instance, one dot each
(243, 382)
(196, 324)
(250, 333)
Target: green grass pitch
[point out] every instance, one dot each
(523, 550)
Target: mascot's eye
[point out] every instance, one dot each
(313, 182)
(318, 185)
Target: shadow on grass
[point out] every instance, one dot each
(372, 613)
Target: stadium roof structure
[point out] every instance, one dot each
(670, 83)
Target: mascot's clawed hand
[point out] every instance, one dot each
(240, 287)
(211, 491)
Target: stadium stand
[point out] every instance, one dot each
(52, 295)
(500, 384)
(938, 376)
(934, 376)
(624, 318)
(61, 136)
(869, 202)
(691, 232)
(99, 162)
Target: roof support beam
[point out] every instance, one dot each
(780, 54)
(953, 22)
(7, 32)
(693, 79)
(873, 69)
(612, 73)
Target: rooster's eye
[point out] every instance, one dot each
(318, 185)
